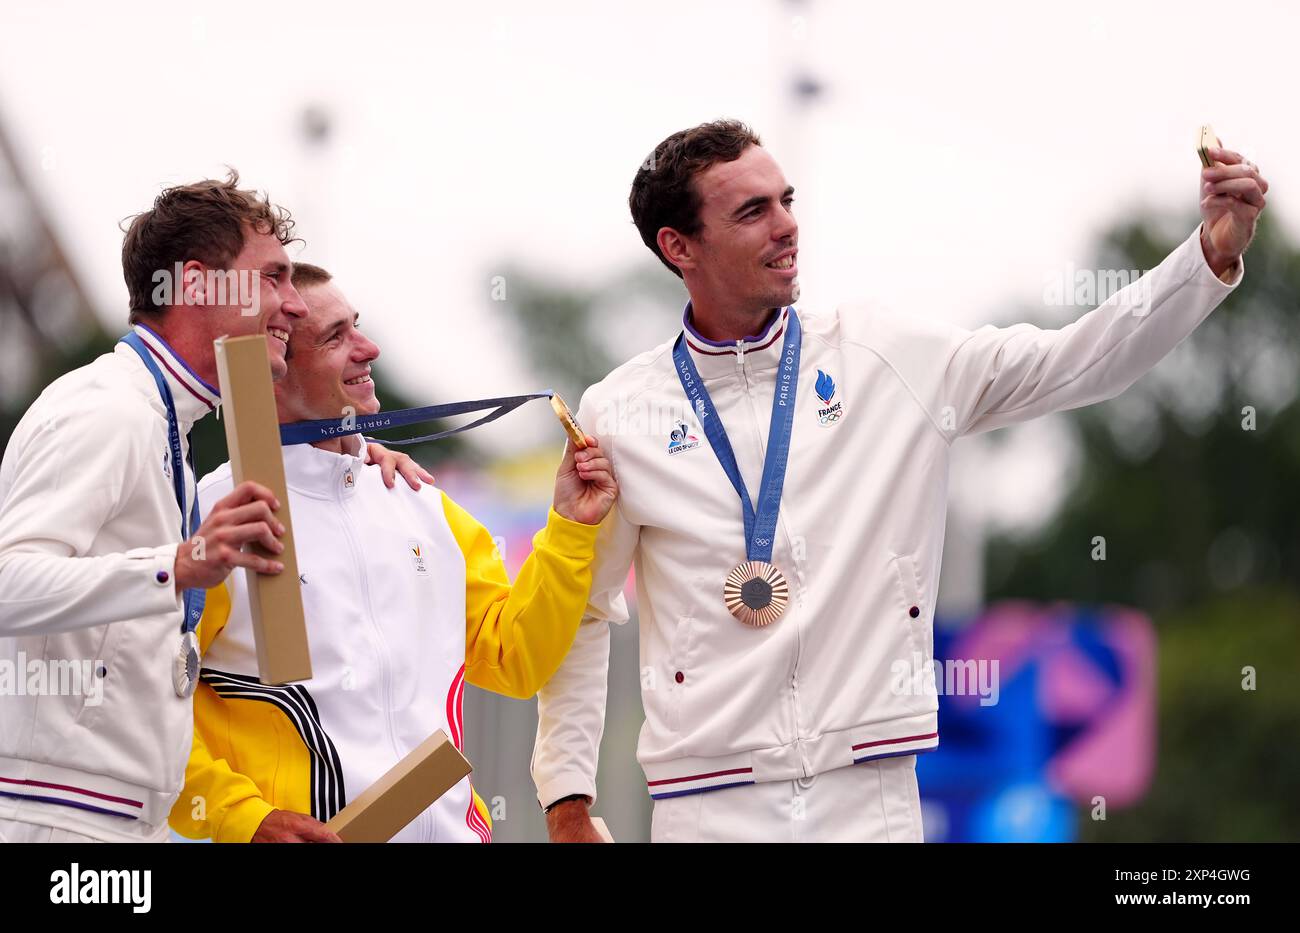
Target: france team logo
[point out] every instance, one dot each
(831, 411)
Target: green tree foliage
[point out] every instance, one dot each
(1191, 503)
(1191, 478)
(1226, 762)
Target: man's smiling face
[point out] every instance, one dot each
(747, 248)
(275, 309)
(328, 361)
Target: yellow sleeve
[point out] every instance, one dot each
(215, 802)
(516, 636)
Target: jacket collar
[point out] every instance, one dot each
(192, 396)
(758, 352)
(321, 473)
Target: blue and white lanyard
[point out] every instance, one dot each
(195, 597)
(760, 524)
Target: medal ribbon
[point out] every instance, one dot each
(194, 598)
(309, 432)
(760, 524)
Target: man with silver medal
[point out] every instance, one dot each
(96, 485)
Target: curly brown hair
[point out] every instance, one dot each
(203, 221)
(663, 191)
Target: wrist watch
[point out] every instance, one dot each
(556, 803)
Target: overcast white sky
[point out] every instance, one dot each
(961, 155)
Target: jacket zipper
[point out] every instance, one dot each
(794, 671)
(380, 644)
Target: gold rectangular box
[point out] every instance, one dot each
(253, 437)
(408, 789)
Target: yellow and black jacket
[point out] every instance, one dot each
(406, 597)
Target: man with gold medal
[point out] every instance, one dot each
(407, 599)
(771, 627)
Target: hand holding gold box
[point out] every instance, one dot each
(409, 788)
(253, 439)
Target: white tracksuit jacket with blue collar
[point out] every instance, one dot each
(89, 527)
(880, 400)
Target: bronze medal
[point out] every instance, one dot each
(756, 593)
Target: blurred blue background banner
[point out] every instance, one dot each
(1061, 723)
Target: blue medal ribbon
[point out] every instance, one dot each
(310, 432)
(194, 598)
(760, 523)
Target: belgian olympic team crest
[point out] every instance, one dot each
(830, 411)
(417, 556)
(681, 440)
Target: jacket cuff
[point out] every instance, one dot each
(567, 538)
(242, 819)
(562, 785)
(1203, 269)
(154, 568)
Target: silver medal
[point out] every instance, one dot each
(185, 669)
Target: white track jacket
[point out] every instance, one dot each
(407, 599)
(93, 738)
(880, 399)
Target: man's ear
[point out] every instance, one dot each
(194, 286)
(676, 248)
